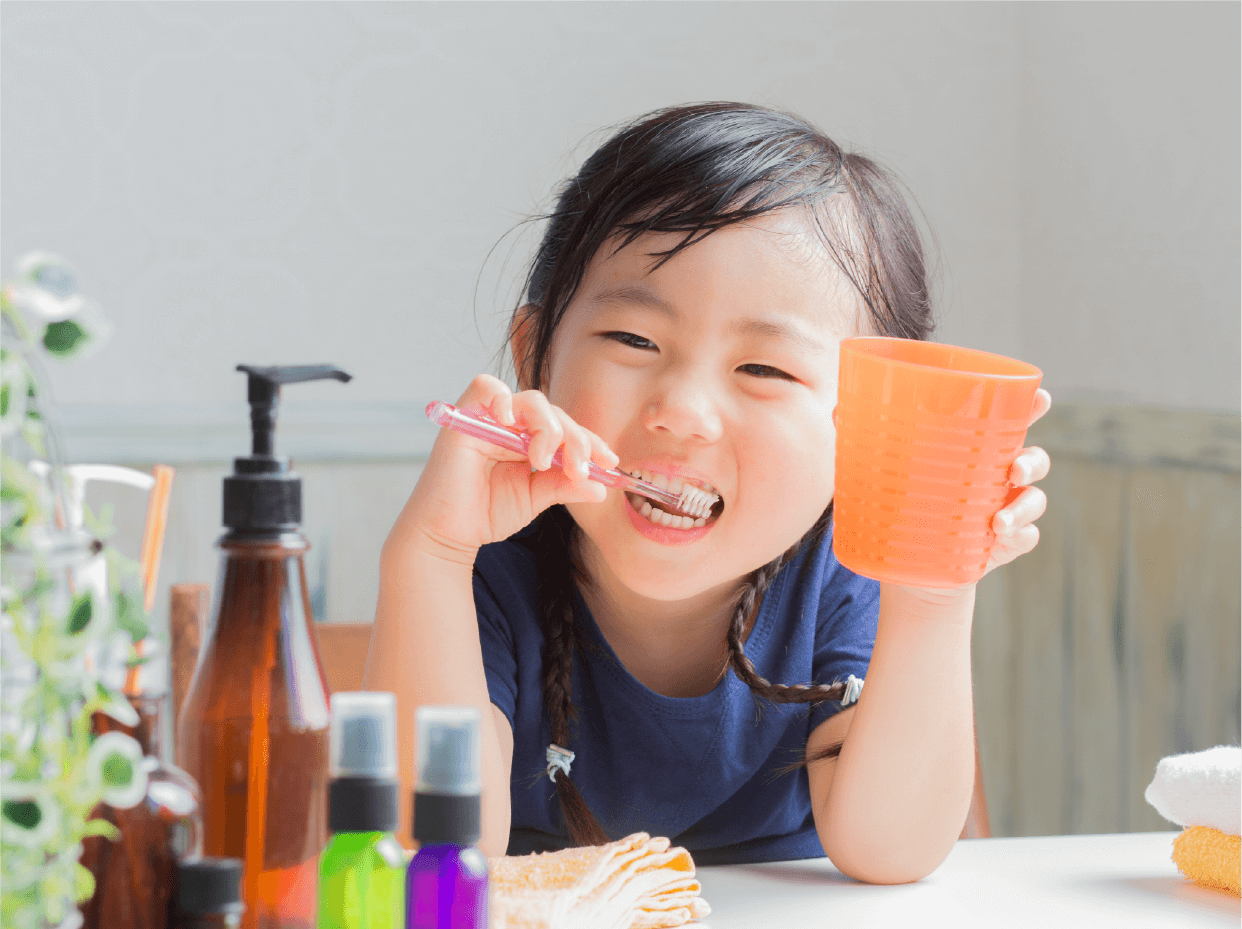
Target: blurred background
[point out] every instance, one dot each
(350, 182)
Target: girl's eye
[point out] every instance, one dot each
(628, 338)
(766, 371)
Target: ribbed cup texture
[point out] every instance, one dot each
(926, 434)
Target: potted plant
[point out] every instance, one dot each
(70, 620)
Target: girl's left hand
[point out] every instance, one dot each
(1016, 532)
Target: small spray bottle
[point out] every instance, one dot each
(446, 886)
(362, 871)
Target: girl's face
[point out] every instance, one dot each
(720, 368)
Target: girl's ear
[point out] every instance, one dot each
(521, 341)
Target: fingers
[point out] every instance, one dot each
(1042, 404)
(1009, 547)
(1020, 512)
(554, 486)
(1032, 464)
(551, 428)
(537, 417)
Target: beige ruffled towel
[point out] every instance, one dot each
(635, 883)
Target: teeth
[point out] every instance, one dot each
(674, 485)
(663, 518)
(696, 499)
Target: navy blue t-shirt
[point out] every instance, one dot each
(704, 771)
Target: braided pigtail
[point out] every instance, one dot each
(553, 542)
(743, 617)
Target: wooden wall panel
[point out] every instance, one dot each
(1117, 641)
(1089, 623)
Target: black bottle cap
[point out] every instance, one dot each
(446, 819)
(362, 804)
(263, 494)
(209, 885)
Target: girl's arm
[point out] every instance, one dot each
(889, 809)
(425, 647)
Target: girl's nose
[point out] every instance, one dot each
(685, 411)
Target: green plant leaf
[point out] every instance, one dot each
(101, 827)
(83, 880)
(64, 337)
(4, 399)
(32, 432)
(128, 614)
(99, 526)
(24, 813)
(80, 613)
(117, 771)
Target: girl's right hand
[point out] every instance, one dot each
(472, 493)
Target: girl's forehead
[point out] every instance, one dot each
(775, 263)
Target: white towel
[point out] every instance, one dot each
(1200, 789)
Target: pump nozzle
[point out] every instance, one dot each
(263, 494)
(263, 392)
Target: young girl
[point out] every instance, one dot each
(638, 670)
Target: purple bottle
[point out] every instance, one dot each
(446, 884)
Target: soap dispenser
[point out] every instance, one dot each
(253, 731)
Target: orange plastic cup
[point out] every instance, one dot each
(926, 434)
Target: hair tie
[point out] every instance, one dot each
(853, 688)
(558, 759)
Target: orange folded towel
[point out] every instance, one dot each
(638, 882)
(1209, 857)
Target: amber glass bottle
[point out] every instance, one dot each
(254, 728)
(134, 874)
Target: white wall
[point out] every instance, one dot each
(292, 182)
(1129, 163)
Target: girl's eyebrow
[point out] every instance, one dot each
(628, 293)
(786, 330)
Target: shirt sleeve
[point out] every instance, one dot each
(499, 652)
(849, 611)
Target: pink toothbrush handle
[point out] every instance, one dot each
(478, 427)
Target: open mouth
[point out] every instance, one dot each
(660, 514)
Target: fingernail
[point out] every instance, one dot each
(1005, 520)
(584, 469)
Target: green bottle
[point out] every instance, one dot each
(362, 870)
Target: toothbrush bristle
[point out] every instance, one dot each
(696, 502)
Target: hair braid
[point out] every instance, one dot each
(744, 613)
(555, 566)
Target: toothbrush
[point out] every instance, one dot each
(692, 501)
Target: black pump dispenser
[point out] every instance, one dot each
(263, 495)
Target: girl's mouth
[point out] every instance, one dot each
(667, 517)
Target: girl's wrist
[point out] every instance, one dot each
(417, 544)
(953, 605)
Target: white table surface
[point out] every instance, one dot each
(1053, 882)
